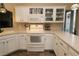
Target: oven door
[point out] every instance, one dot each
(35, 38)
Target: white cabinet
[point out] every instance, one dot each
(49, 14)
(48, 41)
(60, 48)
(11, 45)
(60, 14)
(39, 14)
(55, 45)
(22, 41)
(36, 14)
(8, 44)
(1, 48)
(21, 14)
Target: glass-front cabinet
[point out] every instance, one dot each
(36, 14)
(48, 14)
(59, 14)
(36, 10)
(40, 14)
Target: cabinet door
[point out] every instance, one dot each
(56, 50)
(36, 14)
(48, 41)
(1, 48)
(11, 45)
(60, 14)
(60, 48)
(21, 14)
(22, 41)
(49, 14)
(61, 51)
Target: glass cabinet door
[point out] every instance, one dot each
(35, 10)
(59, 14)
(48, 14)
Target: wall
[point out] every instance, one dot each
(20, 26)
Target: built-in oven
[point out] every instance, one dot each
(36, 42)
(36, 38)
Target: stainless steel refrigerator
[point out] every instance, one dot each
(71, 23)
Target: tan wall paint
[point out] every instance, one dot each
(20, 26)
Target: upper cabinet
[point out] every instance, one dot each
(36, 15)
(40, 14)
(21, 14)
(59, 14)
(49, 14)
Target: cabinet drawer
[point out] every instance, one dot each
(35, 45)
(64, 45)
(7, 36)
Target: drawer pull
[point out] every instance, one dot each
(56, 43)
(7, 41)
(61, 43)
(65, 54)
(3, 42)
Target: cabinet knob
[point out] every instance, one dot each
(65, 54)
(3, 42)
(7, 41)
(56, 43)
(61, 43)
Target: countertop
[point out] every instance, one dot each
(24, 32)
(70, 39)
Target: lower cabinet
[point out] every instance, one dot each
(11, 45)
(22, 41)
(1, 48)
(14, 42)
(48, 41)
(8, 44)
(55, 46)
(62, 49)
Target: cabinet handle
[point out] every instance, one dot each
(7, 41)
(61, 43)
(56, 43)
(65, 54)
(3, 42)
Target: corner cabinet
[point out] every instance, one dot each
(40, 14)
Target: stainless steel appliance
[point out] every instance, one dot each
(71, 23)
